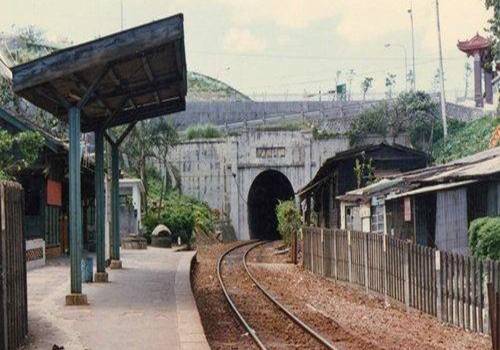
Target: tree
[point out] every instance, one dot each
(138, 148)
(494, 29)
(366, 84)
(26, 44)
(17, 152)
(164, 137)
(467, 74)
(390, 83)
(412, 112)
(350, 77)
(436, 81)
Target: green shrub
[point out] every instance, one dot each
(484, 237)
(289, 220)
(180, 214)
(203, 131)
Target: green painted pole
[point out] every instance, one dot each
(99, 196)
(75, 201)
(115, 198)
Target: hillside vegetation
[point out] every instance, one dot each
(465, 139)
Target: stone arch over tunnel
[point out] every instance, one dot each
(267, 189)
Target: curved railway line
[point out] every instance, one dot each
(267, 321)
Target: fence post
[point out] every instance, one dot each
(322, 251)
(349, 255)
(311, 254)
(3, 275)
(384, 266)
(439, 291)
(407, 275)
(493, 316)
(334, 253)
(366, 260)
(486, 280)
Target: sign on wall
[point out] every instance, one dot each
(54, 193)
(407, 202)
(270, 152)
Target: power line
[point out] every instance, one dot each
(305, 82)
(306, 57)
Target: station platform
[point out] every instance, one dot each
(146, 305)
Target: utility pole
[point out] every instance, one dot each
(410, 11)
(441, 70)
(121, 14)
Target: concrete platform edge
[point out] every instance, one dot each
(189, 327)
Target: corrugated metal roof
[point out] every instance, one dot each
(434, 188)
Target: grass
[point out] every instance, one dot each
(203, 131)
(465, 139)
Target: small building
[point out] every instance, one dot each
(353, 169)
(432, 206)
(45, 185)
(131, 192)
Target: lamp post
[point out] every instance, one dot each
(414, 75)
(406, 61)
(441, 70)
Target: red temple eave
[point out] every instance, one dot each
(476, 44)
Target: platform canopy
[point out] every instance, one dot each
(132, 75)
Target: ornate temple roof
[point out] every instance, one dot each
(476, 43)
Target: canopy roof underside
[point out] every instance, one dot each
(135, 74)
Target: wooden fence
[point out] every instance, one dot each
(448, 286)
(494, 313)
(13, 293)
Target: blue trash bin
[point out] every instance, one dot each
(87, 269)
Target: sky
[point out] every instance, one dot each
(276, 49)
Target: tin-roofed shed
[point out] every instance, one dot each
(119, 79)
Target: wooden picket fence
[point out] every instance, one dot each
(13, 292)
(494, 312)
(449, 286)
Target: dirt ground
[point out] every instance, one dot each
(222, 328)
(347, 312)
(353, 310)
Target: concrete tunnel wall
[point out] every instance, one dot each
(221, 171)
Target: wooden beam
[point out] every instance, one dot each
(98, 52)
(126, 132)
(142, 89)
(116, 79)
(110, 138)
(165, 107)
(82, 86)
(150, 75)
(90, 91)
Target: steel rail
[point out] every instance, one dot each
(294, 318)
(245, 324)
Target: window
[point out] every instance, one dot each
(378, 218)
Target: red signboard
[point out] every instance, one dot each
(54, 193)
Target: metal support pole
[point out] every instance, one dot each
(441, 78)
(101, 275)
(115, 205)
(75, 209)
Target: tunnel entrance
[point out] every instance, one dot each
(267, 189)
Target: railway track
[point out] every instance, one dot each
(267, 321)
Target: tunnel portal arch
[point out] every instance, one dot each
(269, 187)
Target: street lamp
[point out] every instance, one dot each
(414, 75)
(406, 61)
